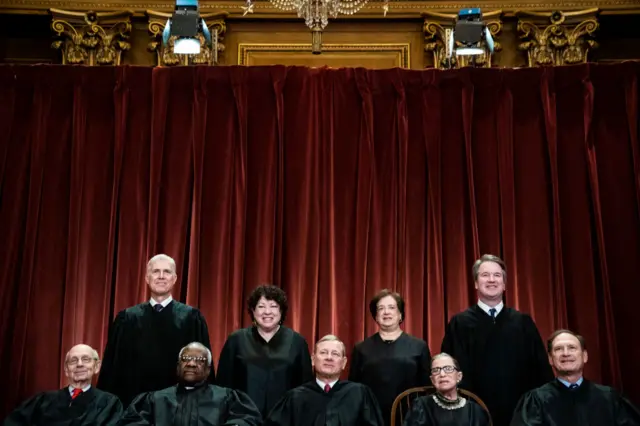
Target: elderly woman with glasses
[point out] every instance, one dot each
(446, 407)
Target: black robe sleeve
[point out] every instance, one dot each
(418, 415)
(24, 413)
(107, 380)
(282, 414)
(626, 413)
(110, 413)
(425, 370)
(540, 369)
(241, 410)
(370, 414)
(305, 369)
(202, 335)
(356, 366)
(453, 347)
(140, 411)
(528, 412)
(226, 365)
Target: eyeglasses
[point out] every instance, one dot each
(197, 359)
(75, 361)
(447, 369)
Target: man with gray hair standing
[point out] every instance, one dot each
(144, 340)
(77, 404)
(327, 400)
(193, 401)
(499, 348)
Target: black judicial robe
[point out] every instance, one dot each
(500, 360)
(590, 405)
(426, 412)
(205, 405)
(56, 408)
(264, 370)
(143, 346)
(390, 368)
(346, 404)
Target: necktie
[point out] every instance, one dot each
(574, 386)
(75, 393)
(327, 388)
(492, 312)
(157, 307)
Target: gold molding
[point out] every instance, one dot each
(402, 49)
(91, 38)
(207, 56)
(373, 9)
(438, 30)
(557, 37)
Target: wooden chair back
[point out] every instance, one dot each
(403, 402)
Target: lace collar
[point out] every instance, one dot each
(448, 404)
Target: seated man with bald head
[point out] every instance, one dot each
(327, 400)
(78, 404)
(193, 401)
(570, 399)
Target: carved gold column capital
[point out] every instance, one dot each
(557, 38)
(91, 38)
(438, 30)
(207, 56)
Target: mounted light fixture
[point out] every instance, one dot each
(185, 25)
(470, 35)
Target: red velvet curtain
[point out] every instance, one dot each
(331, 183)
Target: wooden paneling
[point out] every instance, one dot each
(381, 44)
(333, 55)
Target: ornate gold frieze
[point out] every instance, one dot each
(438, 30)
(557, 38)
(91, 38)
(375, 9)
(207, 56)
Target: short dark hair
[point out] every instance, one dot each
(269, 292)
(555, 334)
(373, 305)
(489, 258)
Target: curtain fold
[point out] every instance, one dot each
(333, 184)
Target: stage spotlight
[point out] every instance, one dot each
(185, 24)
(469, 33)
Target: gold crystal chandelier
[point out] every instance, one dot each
(316, 13)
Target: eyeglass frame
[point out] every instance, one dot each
(202, 360)
(85, 360)
(436, 370)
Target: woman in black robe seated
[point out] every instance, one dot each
(267, 359)
(390, 361)
(446, 407)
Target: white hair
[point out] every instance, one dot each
(94, 353)
(154, 259)
(197, 345)
(332, 338)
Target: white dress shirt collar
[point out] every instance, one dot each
(321, 383)
(84, 389)
(486, 307)
(164, 303)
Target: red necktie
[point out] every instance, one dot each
(327, 388)
(75, 393)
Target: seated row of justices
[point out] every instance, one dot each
(569, 399)
(499, 349)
